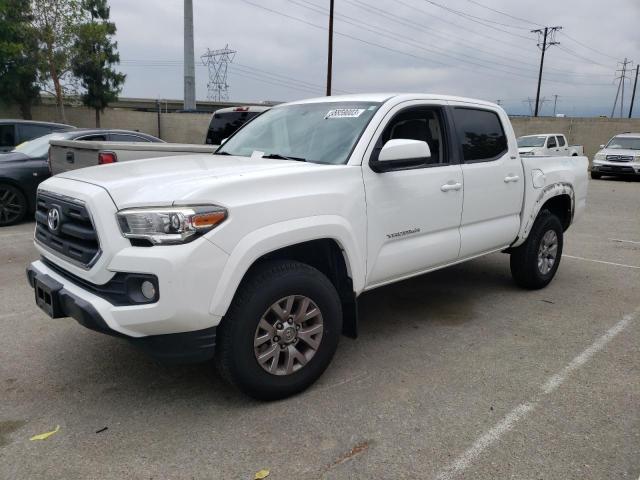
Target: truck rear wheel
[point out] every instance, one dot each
(595, 175)
(535, 262)
(281, 330)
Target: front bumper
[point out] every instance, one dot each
(605, 167)
(63, 300)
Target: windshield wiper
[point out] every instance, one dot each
(277, 156)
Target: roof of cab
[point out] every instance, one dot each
(628, 134)
(398, 97)
(245, 108)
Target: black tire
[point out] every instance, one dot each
(595, 175)
(524, 260)
(265, 285)
(13, 205)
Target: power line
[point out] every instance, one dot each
(504, 13)
(587, 46)
(401, 52)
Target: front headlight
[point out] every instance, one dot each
(170, 225)
(600, 156)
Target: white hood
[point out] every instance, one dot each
(167, 180)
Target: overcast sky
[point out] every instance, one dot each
(456, 47)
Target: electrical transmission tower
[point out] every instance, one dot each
(217, 61)
(623, 77)
(530, 101)
(546, 39)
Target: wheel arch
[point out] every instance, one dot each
(325, 244)
(559, 199)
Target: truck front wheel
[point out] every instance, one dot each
(535, 262)
(281, 330)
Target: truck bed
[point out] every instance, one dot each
(66, 155)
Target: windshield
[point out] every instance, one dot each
(315, 132)
(532, 141)
(38, 147)
(627, 143)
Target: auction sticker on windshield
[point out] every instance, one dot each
(344, 113)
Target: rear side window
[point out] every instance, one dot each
(7, 136)
(561, 141)
(123, 137)
(93, 138)
(480, 133)
(223, 125)
(27, 132)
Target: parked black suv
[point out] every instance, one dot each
(15, 132)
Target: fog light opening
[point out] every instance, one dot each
(148, 290)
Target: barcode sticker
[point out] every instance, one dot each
(344, 113)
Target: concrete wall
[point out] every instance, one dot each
(192, 127)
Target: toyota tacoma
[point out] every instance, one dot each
(255, 256)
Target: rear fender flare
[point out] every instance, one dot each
(548, 192)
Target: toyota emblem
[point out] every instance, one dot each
(53, 219)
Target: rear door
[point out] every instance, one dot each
(563, 148)
(413, 214)
(552, 146)
(493, 179)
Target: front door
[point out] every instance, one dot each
(493, 179)
(413, 215)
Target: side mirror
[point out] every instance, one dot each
(224, 140)
(602, 146)
(399, 154)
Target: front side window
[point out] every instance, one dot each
(480, 133)
(551, 143)
(28, 132)
(420, 123)
(323, 132)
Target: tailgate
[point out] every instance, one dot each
(65, 155)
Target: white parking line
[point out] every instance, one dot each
(493, 435)
(602, 261)
(624, 241)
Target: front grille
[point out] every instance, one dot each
(64, 226)
(620, 158)
(616, 169)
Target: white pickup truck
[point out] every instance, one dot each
(256, 255)
(548, 145)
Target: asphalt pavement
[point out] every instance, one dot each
(457, 374)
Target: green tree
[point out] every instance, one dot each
(94, 56)
(56, 23)
(18, 56)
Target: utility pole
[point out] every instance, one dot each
(548, 39)
(633, 95)
(555, 104)
(622, 78)
(189, 63)
(330, 53)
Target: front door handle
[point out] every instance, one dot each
(451, 186)
(511, 178)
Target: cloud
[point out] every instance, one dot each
(385, 45)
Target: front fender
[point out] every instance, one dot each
(284, 234)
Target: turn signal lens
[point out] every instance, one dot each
(208, 220)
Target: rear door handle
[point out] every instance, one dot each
(511, 178)
(451, 186)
